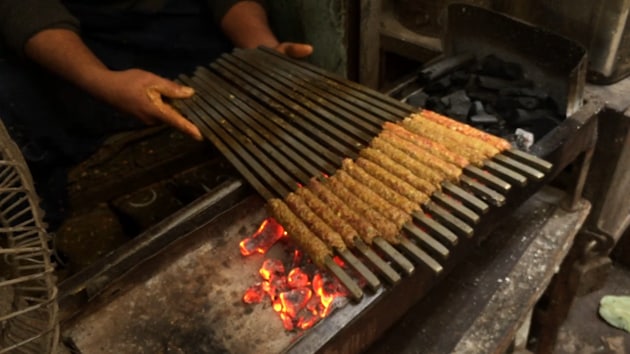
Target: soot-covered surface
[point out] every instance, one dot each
(189, 299)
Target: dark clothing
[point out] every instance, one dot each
(21, 19)
(56, 124)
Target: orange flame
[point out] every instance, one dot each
(271, 267)
(267, 234)
(299, 300)
(254, 294)
(297, 278)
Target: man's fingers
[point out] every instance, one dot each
(176, 120)
(295, 50)
(170, 116)
(171, 89)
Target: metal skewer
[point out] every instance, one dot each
(424, 238)
(505, 172)
(530, 159)
(457, 225)
(456, 207)
(467, 198)
(420, 256)
(354, 290)
(437, 229)
(384, 269)
(487, 178)
(526, 170)
(371, 279)
(484, 192)
(394, 255)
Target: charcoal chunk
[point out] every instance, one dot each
(458, 105)
(491, 65)
(524, 91)
(485, 96)
(460, 78)
(498, 84)
(434, 103)
(438, 87)
(484, 118)
(418, 99)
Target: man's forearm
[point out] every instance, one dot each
(64, 53)
(247, 27)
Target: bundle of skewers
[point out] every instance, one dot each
(351, 172)
(371, 199)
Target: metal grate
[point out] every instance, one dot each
(282, 122)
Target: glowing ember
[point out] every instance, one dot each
(327, 288)
(297, 278)
(297, 258)
(271, 268)
(293, 301)
(304, 295)
(268, 233)
(254, 294)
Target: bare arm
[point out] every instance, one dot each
(246, 26)
(134, 91)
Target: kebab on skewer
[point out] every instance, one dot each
(438, 150)
(306, 240)
(500, 144)
(474, 150)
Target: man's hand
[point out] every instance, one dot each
(133, 91)
(140, 93)
(295, 50)
(247, 27)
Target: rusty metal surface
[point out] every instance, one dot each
(144, 246)
(485, 299)
(187, 298)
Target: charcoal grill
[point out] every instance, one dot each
(282, 122)
(299, 129)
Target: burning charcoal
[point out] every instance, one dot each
(297, 278)
(493, 66)
(254, 294)
(298, 258)
(287, 321)
(271, 268)
(328, 289)
(418, 99)
(275, 286)
(306, 319)
(459, 105)
(293, 301)
(438, 87)
(268, 233)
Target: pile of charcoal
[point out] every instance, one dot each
(495, 96)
